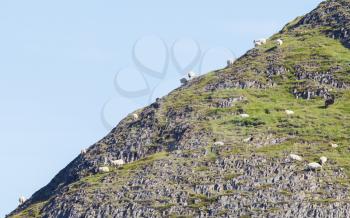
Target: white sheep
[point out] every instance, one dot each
(191, 75)
(260, 42)
(279, 42)
(244, 115)
(230, 62)
(103, 169)
(22, 200)
(135, 116)
(334, 145)
(119, 162)
(314, 166)
(295, 157)
(257, 43)
(183, 81)
(248, 140)
(323, 160)
(83, 151)
(289, 112)
(219, 144)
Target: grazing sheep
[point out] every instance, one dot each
(191, 75)
(83, 151)
(118, 162)
(135, 116)
(329, 100)
(103, 169)
(219, 144)
(183, 81)
(314, 166)
(248, 140)
(260, 42)
(289, 112)
(323, 160)
(22, 200)
(295, 157)
(334, 145)
(244, 115)
(279, 42)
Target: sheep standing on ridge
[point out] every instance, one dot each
(119, 162)
(83, 151)
(260, 42)
(191, 75)
(135, 117)
(279, 42)
(230, 62)
(22, 200)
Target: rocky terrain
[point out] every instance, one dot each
(192, 154)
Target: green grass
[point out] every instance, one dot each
(33, 211)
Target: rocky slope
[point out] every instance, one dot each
(173, 166)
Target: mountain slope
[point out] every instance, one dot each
(175, 168)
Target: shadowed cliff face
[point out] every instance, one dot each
(175, 168)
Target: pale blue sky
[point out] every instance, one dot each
(58, 60)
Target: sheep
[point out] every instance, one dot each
(135, 116)
(323, 160)
(260, 42)
(230, 62)
(314, 166)
(329, 100)
(334, 145)
(119, 162)
(22, 200)
(191, 75)
(183, 81)
(83, 151)
(289, 112)
(248, 140)
(279, 42)
(244, 115)
(257, 43)
(103, 169)
(219, 144)
(295, 157)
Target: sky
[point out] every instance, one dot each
(71, 70)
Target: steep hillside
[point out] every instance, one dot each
(176, 167)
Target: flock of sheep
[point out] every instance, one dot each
(313, 165)
(106, 169)
(260, 42)
(288, 112)
(115, 163)
(191, 75)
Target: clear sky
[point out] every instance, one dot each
(58, 60)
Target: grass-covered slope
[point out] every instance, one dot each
(175, 168)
